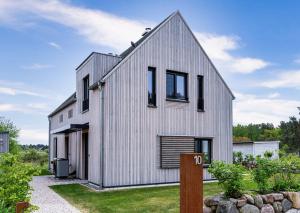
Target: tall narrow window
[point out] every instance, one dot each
(176, 86)
(85, 101)
(200, 104)
(204, 146)
(151, 86)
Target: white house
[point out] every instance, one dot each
(133, 114)
(256, 148)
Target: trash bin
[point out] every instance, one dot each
(61, 166)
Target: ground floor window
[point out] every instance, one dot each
(204, 146)
(172, 146)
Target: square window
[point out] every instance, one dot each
(176, 85)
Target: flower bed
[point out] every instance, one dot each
(269, 203)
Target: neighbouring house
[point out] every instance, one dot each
(4, 142)
(256, 148)
(133, 114)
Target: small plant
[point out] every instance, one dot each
(237, 157)
(268, 154)
(229, 176)
(285, 178)
(249, 161)
(263, 171)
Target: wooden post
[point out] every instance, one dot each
(21, 206)
(191, 183)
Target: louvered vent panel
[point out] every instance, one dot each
(172, 147)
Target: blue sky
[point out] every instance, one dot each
(254, 44)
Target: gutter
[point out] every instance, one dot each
(101, 96)
(49, 138)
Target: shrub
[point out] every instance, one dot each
(263, 171)
(285, 179)
(14, 181)
(268, 154)
(237, 157)
(34, 156)
(249, 161)
(229, 176)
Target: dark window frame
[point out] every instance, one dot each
(200, 102)
(152, 101)
(85, 93)
(70, 113)
(174, 97)
(61, 118)
(199, 149)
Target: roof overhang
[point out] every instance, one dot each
(69, 128)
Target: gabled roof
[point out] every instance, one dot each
(132, 49)
(68, 102)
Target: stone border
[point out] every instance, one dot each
(269, 203)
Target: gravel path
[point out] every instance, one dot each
(46, 199)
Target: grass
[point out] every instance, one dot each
(155, 199)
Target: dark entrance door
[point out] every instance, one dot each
(85, 148)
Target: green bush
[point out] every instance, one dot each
(229, 176)
(249, 161)
(14, 181)
(285, 178)
(268, 154)
(34, 156)
(263, 171)
(237, 157)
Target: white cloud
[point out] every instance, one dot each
(33, 136)
(216, 46)
(97, 26)
(14, 91)
(274, 95)
(106, 29)
(8, 108)
(285, 79)
(36, 66)
(27, 108)
(219, 48)
(249, 108)
(248, 65)
(55, 45)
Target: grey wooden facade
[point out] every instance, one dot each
(125, 134)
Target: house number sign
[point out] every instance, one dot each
(191, 183)
(198, 159)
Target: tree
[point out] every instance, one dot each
(290, 135)
(256, 132)
(7, 125)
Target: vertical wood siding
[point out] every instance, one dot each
(131, 138)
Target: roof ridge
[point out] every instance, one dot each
(131, 49)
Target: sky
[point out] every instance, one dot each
(255, 45)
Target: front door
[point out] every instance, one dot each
(85, 152)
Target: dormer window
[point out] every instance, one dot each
(85, 100)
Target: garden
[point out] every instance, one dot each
(17, 169)
(275, 184)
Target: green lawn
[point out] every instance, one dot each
(154, 199)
